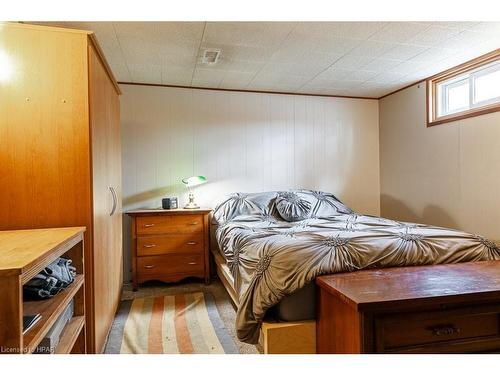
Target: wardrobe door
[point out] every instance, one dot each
(44, 153)
(107, 254)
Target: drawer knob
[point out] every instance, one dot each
(151, 245)
(192, 263)
(149, 266)
(148, 225)
(444, 331)
(194, 223)
(192, 243)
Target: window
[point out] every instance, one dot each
(470, 89)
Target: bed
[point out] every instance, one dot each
(269, 247)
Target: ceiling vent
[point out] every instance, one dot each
(211, 56)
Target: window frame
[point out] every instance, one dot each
(478, 66)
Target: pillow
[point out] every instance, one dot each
(291, 207)
(260, 204)
(323, 205)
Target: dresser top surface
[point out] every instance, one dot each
(161, 211)
(422, 283)
(19, 249)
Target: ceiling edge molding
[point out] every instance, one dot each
(248, 91)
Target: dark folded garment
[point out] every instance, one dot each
(53, 278)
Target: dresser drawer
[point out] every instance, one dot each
(163, 265)
(168, 244)
(403, 331)
(174, 224)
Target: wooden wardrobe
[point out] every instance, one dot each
(60, 162)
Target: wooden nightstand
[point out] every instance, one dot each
(169, 245)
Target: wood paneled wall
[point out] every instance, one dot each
(246, 142)
(445, 175)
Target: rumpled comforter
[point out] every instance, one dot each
(271, 258)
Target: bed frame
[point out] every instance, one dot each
(275, 337)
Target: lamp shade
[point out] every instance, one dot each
(194, 180)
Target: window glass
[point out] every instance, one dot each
(487, 86)
(458, 96)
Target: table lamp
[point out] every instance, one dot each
(190, 182)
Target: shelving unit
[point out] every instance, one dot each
(23, 254)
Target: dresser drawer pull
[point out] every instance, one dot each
(192, 263)
(192, 243)
(149, 266)
(148, 246)
(148, 225)
(194, 223)
(444, 331)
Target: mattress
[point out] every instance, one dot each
(300, 305)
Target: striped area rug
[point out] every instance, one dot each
(179, 324)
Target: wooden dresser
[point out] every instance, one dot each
(169, 245)
(452, 308)
(23, 254)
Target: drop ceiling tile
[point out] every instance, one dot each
(309, 70)
(325, 44)
(468, 38)
(407, 67)
(300, 56)
(372, 49)
(142, 73)
(167, 31)
(386, 77)
(173, 75)
(404, 51)
(456, 25)
(352, 62)
(236, 80)
(382, 65)
(351, 30)
(487, 27)
(240, 52)
(286, 79)
(398, 32)
(283, 87)
(433, 35)
(346, 75)
(244, 66)
(208, 75)
(318, 83)
(263, 34)
(433, 55)
(138, 50)
(205, 83)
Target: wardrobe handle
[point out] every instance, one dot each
(194, 223)
(113, 194)
(192, 243)
(148, 225)
(148, 266)
(148, 246)
(192, 263)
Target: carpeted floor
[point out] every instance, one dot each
(222, 301)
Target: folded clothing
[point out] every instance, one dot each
(53, 278)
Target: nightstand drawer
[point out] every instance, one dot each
(174, 224)
(170, 264)
(169, 244)
(426, 329)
